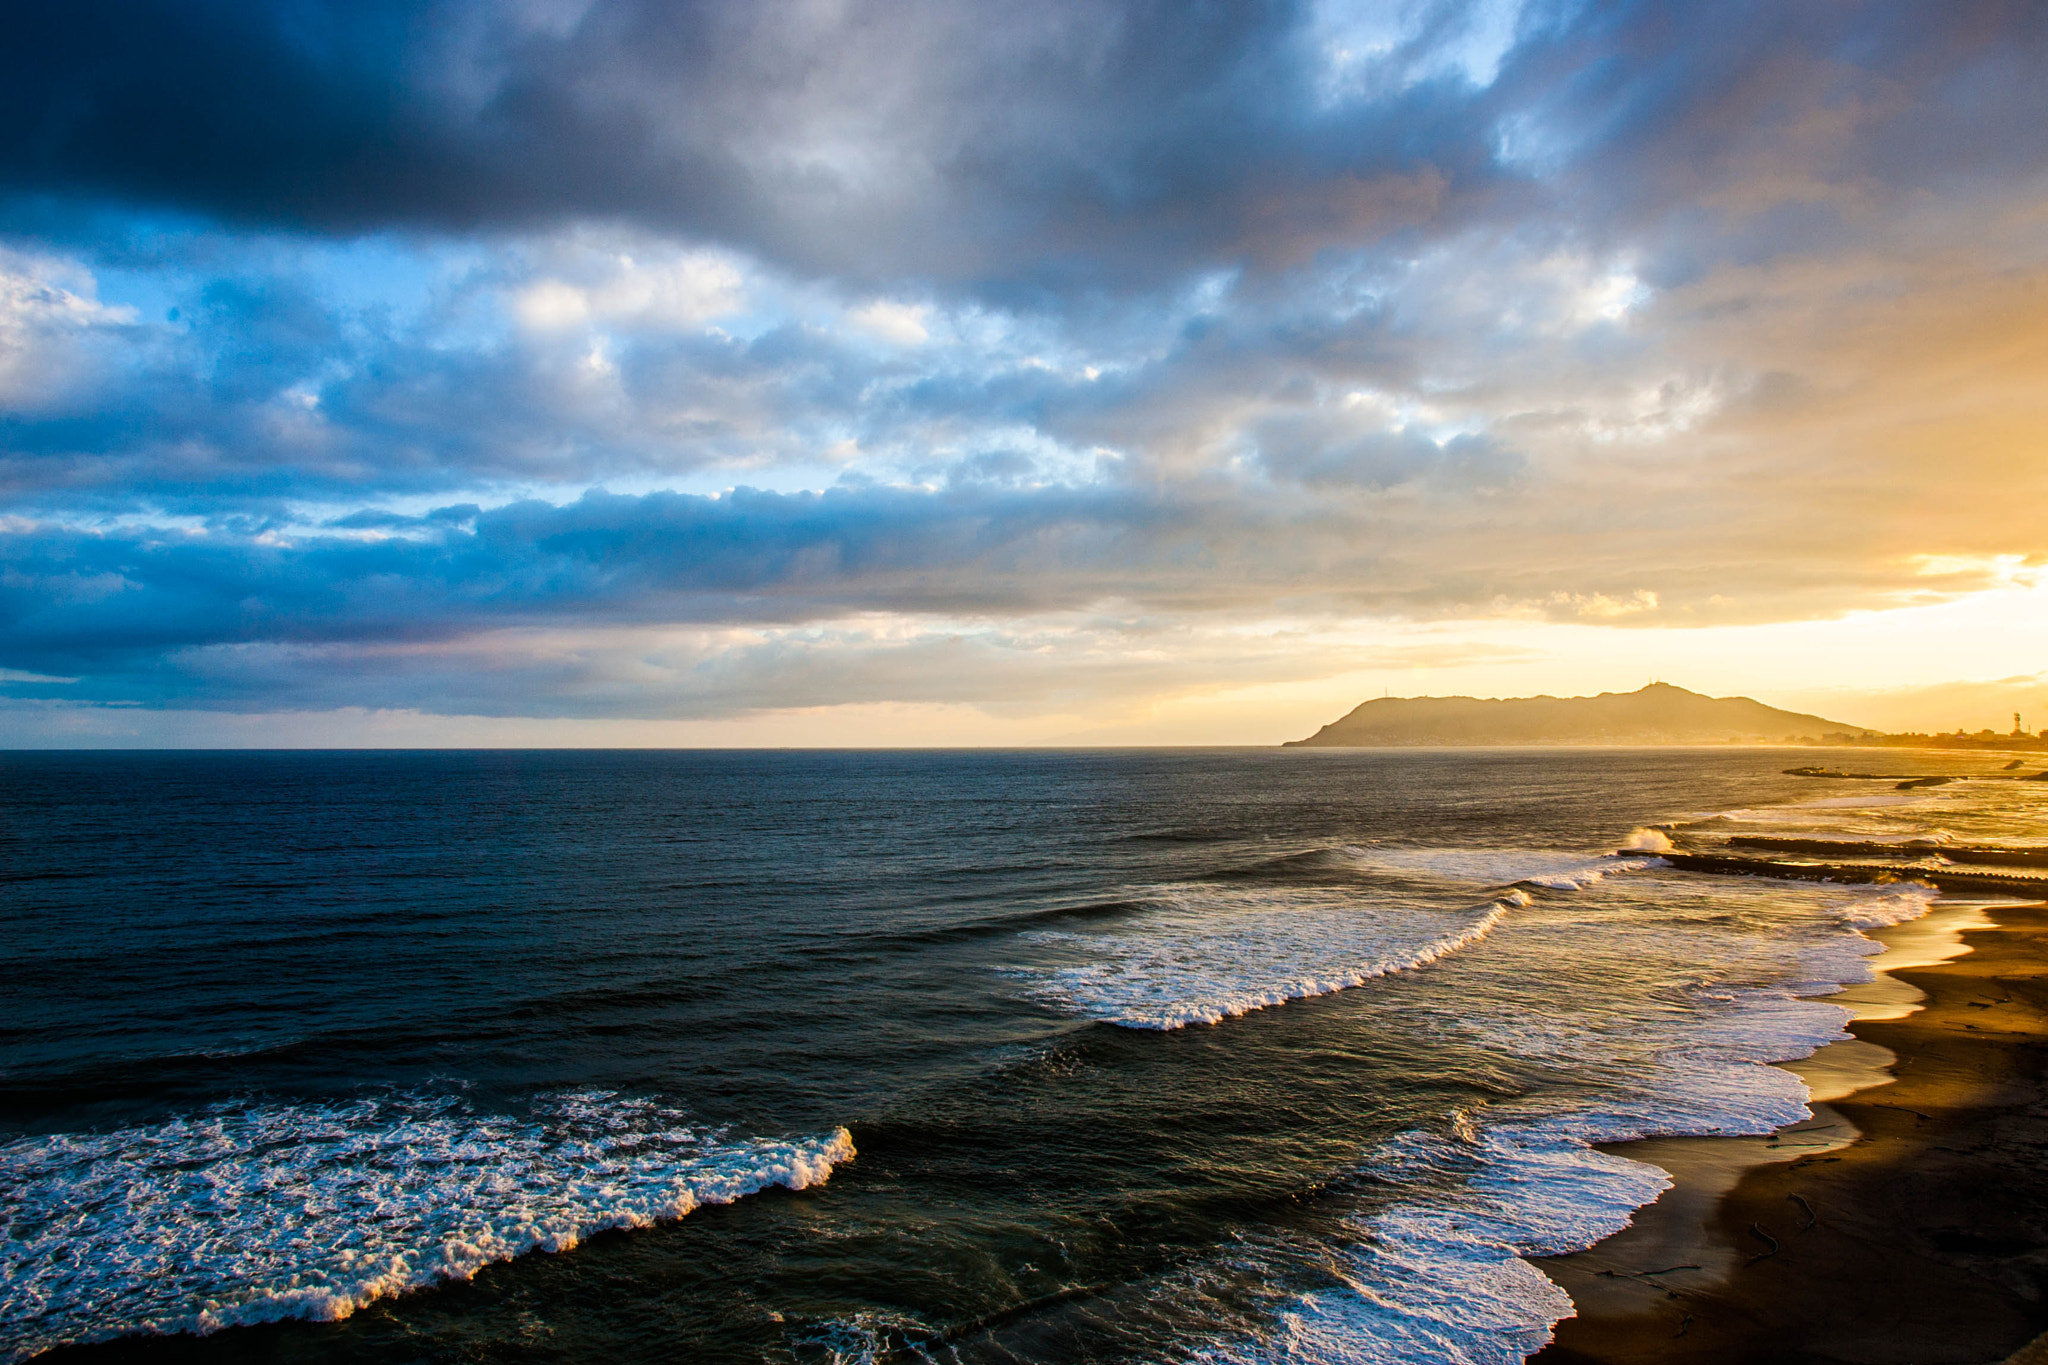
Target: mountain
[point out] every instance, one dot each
(1658, 714)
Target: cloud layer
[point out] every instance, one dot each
(368, 354)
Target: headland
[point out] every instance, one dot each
(1658, 714)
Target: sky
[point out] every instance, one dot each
(409, 372)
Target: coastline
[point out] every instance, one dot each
(1906, 1222)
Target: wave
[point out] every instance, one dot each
(1477, 867)
(1212, 951)
(1880, 907)
(1487, 867)
(1579, 878)
(1443, 1273)
(1207, 954)
(1441, 1276)
(257, 1212)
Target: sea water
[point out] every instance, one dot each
(1197, 1055)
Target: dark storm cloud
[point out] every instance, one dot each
(1743, 130)
(911, 138)
(1069, 142)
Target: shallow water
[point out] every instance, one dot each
(1197, 1055)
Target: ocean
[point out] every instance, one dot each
(1095, 1056)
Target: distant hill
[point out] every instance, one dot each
(1658, 714)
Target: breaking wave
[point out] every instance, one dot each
(1552, 871)
(1207, 954)
(1880, 907)
(252, 1213)
(1443, 1275)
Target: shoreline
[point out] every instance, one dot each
(1907, 1221)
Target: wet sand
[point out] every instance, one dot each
(1906, 1222)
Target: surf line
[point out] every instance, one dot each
(1673, 1245)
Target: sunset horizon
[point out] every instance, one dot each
(1097, 682)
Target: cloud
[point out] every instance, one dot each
(1341, 446)
(1078, 143)
(54, 333)
(875, 143)
(901, 323)
(1015, 664)
(347, 348)
(612, 289)
(1602, 607)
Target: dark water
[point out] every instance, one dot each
(288, 1034)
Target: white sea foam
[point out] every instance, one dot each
(253, 1213)
(1207, 954)
(1579, 878)
(1441, 1276)
(862, 1339)
(1836, 960)
(1879, 907)
(1443, 1279)
(1481, 867)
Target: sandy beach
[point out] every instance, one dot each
(1907, 1222)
